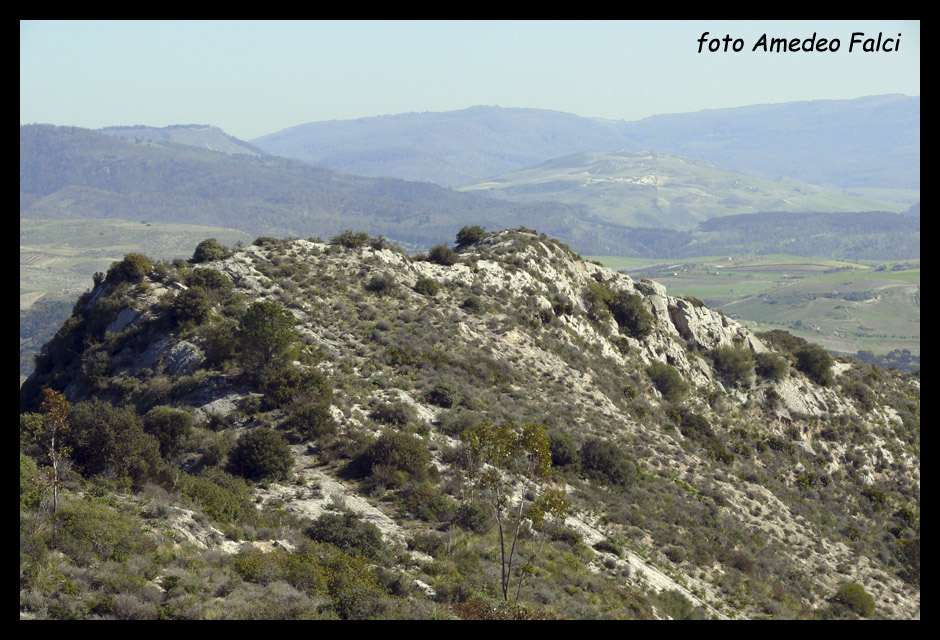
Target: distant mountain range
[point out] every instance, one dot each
(866, 142)
(71, 173)
(193, 135)
(666, 190)
(594, 202)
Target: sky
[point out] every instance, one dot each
(252, 78)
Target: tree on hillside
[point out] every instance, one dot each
(497, 460)
(55, 411)
(209, 250)
(266, 335)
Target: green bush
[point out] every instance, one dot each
(261, 454)
(283, 384)
(781, 340)
(209, 250)
(108, 439)
(564, 450)
(862, 393)
(266, 334)
(216, 285)
(402, 451)
(398, 414)
(169, 426)
(631, 314)
(30, 483)
(695, 426)
(855, 597)
(444, 395)
(191, 305)
(815, 362)
(605, 462)
(443, 255)
(221, 496)
(381, 284)
(133, 268)
(734, 364)
(427, 287)
(473, 304)
(771, 366)
(667, 381)
(312, 420)
(350, 240)
(606, 546)
(347, 533)
(88, 530)
(470, 234)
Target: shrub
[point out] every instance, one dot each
(191, 305)
(220, 495)
(815, 362)
(564, 450)
(782, 340)
(855, 597)
(105, 438)
(667, 381)
(444, 395)
(212, 281)
(394, 413)
(631, 314)
(29, 483)
(266, 334)
(262, 453)
(169, 426)
(734, 364)
(443, 255)
(473, 516)
(209, 250)
(453, 423)
(605, 462)
(695, 426)
(133, 268)
(473, 304)
(89, 530)
(350, 240)
(382, 284)
(606, 546)
(427, 287)
(312, 420)
(771, 366)
(402, 451)
(282, 384)
(862, 393)
(470, 234)
(347, 533)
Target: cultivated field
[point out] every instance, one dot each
(845, 306)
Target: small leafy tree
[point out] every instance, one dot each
(470, 234)
(497, 459)
(55, 411)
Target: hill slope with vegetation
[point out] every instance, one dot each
(309, 429)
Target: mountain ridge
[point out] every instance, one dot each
(699, 459)
(857, 133)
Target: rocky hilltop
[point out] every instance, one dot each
(345, 397)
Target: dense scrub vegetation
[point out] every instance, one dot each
(379, 392)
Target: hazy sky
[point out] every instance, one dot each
(254, 78)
